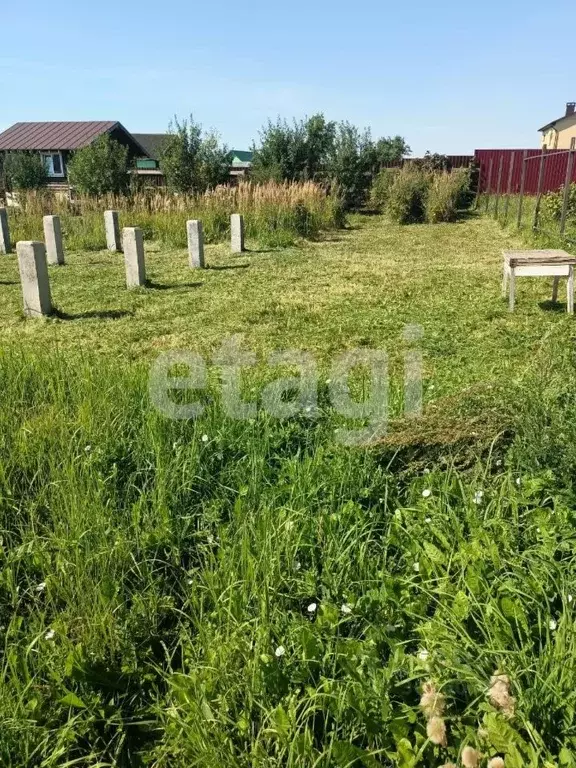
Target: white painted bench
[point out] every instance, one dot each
(545, 263)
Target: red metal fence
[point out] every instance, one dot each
(496, 165)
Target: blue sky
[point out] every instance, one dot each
(449, 76)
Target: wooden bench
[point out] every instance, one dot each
(545, 263)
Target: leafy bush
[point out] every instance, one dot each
(381, 187)
(296, 152)
(191, 161)
(407, 196)
(447, 194)
(432, 161)
(25, 170)
(351, 164)
(100, 168)
(315, 149)
(553, 202)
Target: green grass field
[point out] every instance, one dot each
(252, 593)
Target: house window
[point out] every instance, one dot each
(53, 163)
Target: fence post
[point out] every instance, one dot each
(540, 185)
(498, 186)
(478, 187)
(509, 187)
(489, 183)
(568, 181)
(522, 185)
(33, 269)
(5, 246)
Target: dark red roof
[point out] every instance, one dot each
(53, 135)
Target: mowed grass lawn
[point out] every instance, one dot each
(359, 288)
(253, 593)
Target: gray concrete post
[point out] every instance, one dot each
(34, 278)
(53, 240)
(134, 257)
(195, 243)
(237, 232)
(112, 226)
(5, 246)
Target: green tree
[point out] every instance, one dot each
(192, 161)
(320, 136)
(100, 168)
(281, 154)
(320, 150)
(296, 152)
(352, 163)
(25, 170)
(391, 150)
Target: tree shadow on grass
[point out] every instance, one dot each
(95, 314)
(8, 282)
(223, 267)
(552, 306)
(262, 250)
(153, 286)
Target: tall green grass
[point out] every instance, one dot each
(517, 215)
(252, 594)
(413, 195)
(276, 214)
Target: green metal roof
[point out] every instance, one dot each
(240, 156)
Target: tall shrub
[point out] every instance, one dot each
(406, 200)
(25, 170)
(293, 152)
(316, 149)
(352, 164)
(391, 150)
(442, 198)
(192, 161)
(381, 187)
(100, 168)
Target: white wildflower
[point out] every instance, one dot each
(50, 635)
(88, 448)
(312, 608)
(204, 438)
(423, 654)
(553, 624)
(428, 520)
(346, 609)
(478, 497)
(41, 587)
(416, 567)
(470, 757)
(518, 480)
(436, 731)
(280, 651)
(426, 493)
(426, 471)
(570, 598)
(499, 462)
